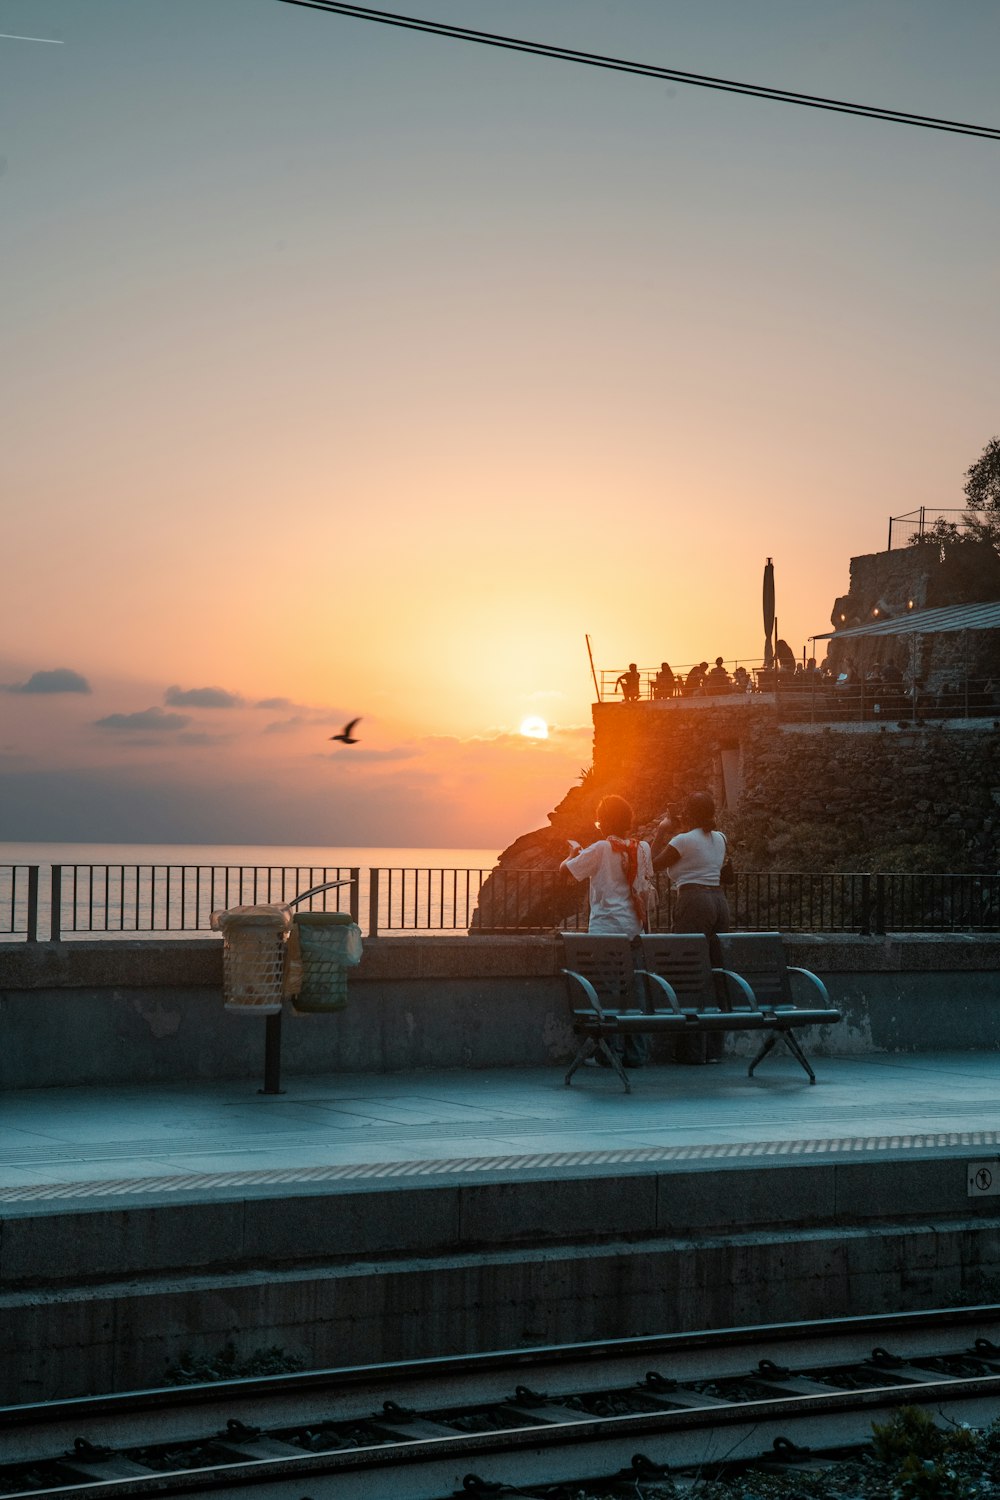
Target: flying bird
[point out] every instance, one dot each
(347, 738)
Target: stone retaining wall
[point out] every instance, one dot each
(808, 796)
(97, 1299)
(110, 1013)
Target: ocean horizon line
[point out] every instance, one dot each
(148, 851)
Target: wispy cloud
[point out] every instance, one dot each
(352, 755)
(285, 726)
(59, 680)
(145, 720)
(202, 737)
(205, 697)
(305, 718)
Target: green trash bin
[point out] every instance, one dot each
(330, 943)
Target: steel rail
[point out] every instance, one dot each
(399, 1438)
(232, 1462)
(434, 1367)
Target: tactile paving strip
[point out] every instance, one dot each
(193, 1182)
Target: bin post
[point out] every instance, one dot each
(373, 903)
(272, 1055)
(355, 894)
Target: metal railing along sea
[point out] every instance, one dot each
(54, 902)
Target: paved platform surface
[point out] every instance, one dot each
(184, 1140)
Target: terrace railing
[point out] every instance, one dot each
(478, 901)
(19, 901)
(917, 526)
(48, 903)
(63, 901)
(808, 699)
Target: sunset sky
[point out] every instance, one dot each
(351, 371)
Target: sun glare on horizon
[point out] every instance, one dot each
(534, 728)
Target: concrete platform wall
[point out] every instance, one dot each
(151, 1011)
(96, 1300)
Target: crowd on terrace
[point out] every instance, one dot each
(898, 689)
(703, 681)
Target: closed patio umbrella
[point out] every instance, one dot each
(768, 612)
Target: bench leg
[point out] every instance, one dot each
(616, 1063)
(765, 1049)
(598, 1044)
(792, 1043)
(587, 1050)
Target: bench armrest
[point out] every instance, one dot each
(590, 993)
(728, 976)
(815, 981)
(665, 986)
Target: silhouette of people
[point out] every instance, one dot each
(847, 677)
(741, 680)
(629, 683)
(718, 679)
(784, 657)
(664, 683)
(694, 682)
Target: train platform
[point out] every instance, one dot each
(211, 1140)
(364, 1217)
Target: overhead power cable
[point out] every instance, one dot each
(648, 70)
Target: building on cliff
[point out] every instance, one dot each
(906, 778)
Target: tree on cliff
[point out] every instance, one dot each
(982, 480)
(980, 523)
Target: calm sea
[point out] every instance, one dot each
(288, 855)
(109, 889)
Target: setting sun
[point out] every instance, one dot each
(534, 728)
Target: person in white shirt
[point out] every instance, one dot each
(620, 871)
(695, 860)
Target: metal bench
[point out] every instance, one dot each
(679, 972)
(685, 994)
(600, 985)
(759, 957)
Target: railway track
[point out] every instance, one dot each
(527, 1420)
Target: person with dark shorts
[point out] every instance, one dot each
(694, 860)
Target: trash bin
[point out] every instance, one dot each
(253, 957)
(330, 944)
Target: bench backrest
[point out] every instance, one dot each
(684, 960)
(606, 962)
(681, 958)
(760, 958)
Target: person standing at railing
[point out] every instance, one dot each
(619, 869)
(696, 860)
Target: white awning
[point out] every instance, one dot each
(924, 622)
